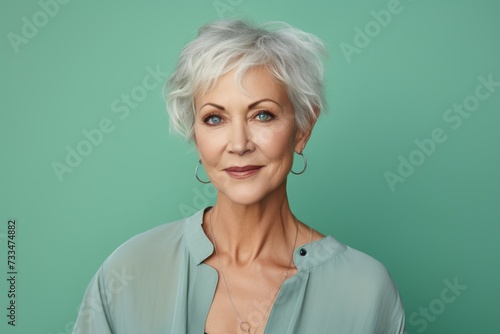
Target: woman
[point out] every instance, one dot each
(248, 97)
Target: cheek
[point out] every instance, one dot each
(201, 142)
(263, 136)
(209, 145)
(276, 141)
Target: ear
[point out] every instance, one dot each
(302, 137)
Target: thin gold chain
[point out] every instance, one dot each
(245, 328)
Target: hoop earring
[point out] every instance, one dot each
(196, 173)
(305, 165)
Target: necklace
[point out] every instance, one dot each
(244, 325)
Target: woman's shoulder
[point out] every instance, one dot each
(149, 246)
(347, 263)
(361, 280)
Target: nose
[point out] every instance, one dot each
(239, 137)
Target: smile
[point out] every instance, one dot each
(242, 172)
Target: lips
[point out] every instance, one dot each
(242, 169)
(244, 172)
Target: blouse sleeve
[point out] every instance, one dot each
(93, 316)
(390, 308)
(399, 326)
(395, 305)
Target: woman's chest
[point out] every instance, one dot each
(243, 300)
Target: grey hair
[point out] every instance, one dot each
(292, 56)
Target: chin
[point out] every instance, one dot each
(251, 193)
(245, 195)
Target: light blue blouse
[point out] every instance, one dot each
(156, 283)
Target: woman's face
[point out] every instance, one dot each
(253, 128)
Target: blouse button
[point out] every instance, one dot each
(303, 252)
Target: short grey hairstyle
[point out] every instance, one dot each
(292, 56)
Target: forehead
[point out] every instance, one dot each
(256, 83)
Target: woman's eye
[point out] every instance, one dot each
(264, 116)
(212, 119)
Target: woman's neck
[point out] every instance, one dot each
(245, 233)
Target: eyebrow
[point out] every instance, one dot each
(250, 106)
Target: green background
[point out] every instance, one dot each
(441, 223)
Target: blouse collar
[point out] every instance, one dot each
(305, 257)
